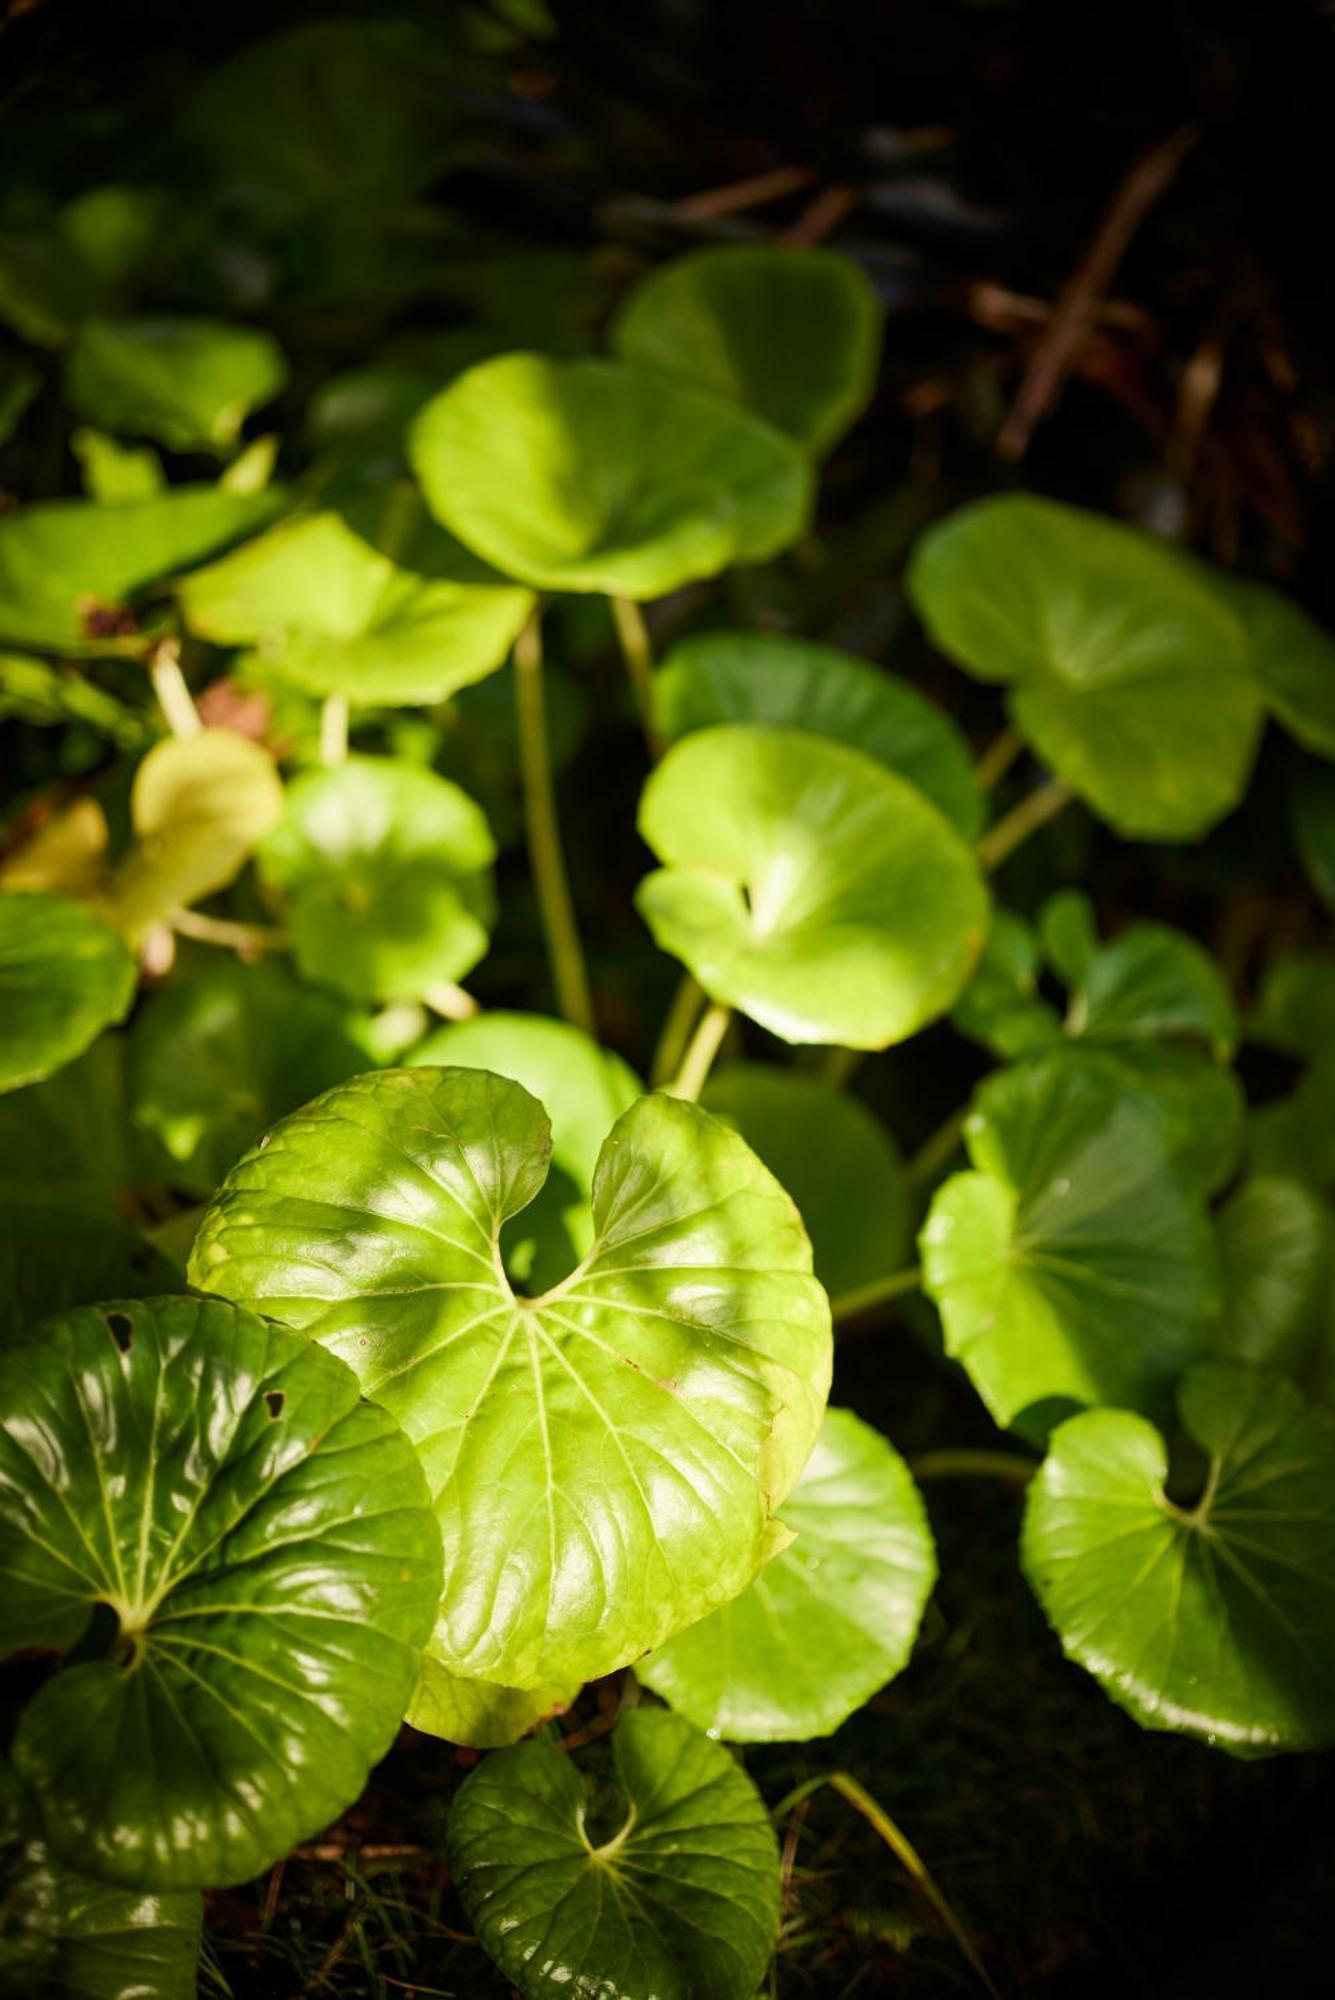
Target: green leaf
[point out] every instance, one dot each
(1075, 1263)
(69, 569)
(19, 383)
(114, 472)
(829, 1619)
(67, 1136)
(836, 1160)
(58, 1251)
(1150, 982)
(592, 476)
(1001, 1006)
(661, 1884)
(385, 870)
(604, 1459)
(328, 612)
(794, 335)
(809, 887)
(1277, 1262)
(242, 1554)
(1294, 661)
(200, 806)
(481, 1714)
(1131, 676)
(187, 383)
(1295, 1009)
(1199, 1105)
(583, 1088)
(64, 976)
(1312, 813)
(217, 1055)
(49, 695)
(1216, 1620)
(764, 677)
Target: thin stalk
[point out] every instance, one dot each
(544, 834)
(174, 697)
(876, 1292)
(698, 1060)
(1015, 827)
(451, 1002)
(937, 1148)
(838, 1065)
(248, 939)
(334, 729)
(676, 1032)
(638, 654)
(973, 1465)
(997, 759)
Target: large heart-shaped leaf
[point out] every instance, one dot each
(808, 886)
(663, 1884)
(1131, 676)
(794, 683)
(589, 475)
(1074, 1264)
(829, 1619)
(188, 383)
(794, 335)
(64, 976)
(604, 1458)
(836, 1160)
(69, 569)
(1218, 1618)
(327, 611)
(583, 1088)
(242, 1554)
(385, 869)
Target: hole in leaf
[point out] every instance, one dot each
(121, 1329)
(274, 1400)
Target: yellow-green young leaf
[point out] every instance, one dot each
(187, 383)
(241, 1552)
(766, 677)
(1074, 1264)
(385, 872)
(66, 853)
(1130, 675)
(1215, 1618)
(830, 1618)
(604, 1458)
(326, 610)
(794, 335)
(594, 476)
(112, 471)
(200, 806)
(808, 886)
(661, 1882)
(481, 1714)
(64, 976)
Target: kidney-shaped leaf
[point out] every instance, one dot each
(386, 872)
(64, 976)
(829, 1619)
(604, 1458)
(808, 886)
(326, 610)
(258, 1544)
(1075, 1263)
(1217, 1619)
(188, 383)
(795, 335)
(1131, 676)
(794, 683)
(593, 476)
(662, 1883)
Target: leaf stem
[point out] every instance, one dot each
(174, 697)
(248, 939)
(937, 1148)
(838, 1065)
(973, 1465)
(997, 759)
(334, 729)
(451, 1002)
(704, 1045)
(1015, 827)
(676, 1032)
(544, 834)
(876, 1292)
(638, 654)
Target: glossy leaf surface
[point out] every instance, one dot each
(604, 1459)
(64, 976)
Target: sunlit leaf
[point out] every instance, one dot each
(482, 1714)
(64, 976)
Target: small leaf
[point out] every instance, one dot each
(1312, 814)
(271, 1579)
(1295, 1009)
(64, 976)
(1216, 1620)
(762, 677)
(385, 870)
(661, 1885)
(65, 855)
(593, 476)
(1150, 982)
(1294, 661)
(1277, 1261)
(1131, 676)
(829, 1619)
(38, 691)
(793, 335)
(187, 383)
(114, 472)
(686, 1357)
(808, 886)
(1001, 1006)
(1075, 1263)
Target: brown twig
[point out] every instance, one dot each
(821, 217)
(757, 191)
